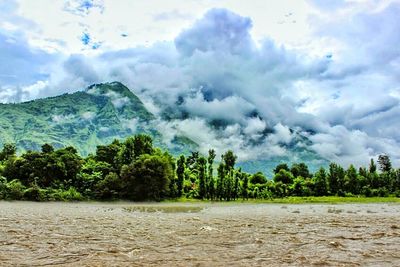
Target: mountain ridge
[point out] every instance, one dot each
(99, 114)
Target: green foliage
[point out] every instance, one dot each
(35, 193)
(47, 148)
(284, 176)
(66, 195)
(180, 172)
(9, 150)
(142, 144)
(3, 187)
(109, 153)
(384, 163)
(134, 169)
(229, 159)
(211, 182)
(281, 166)
(15, 190)
(202, 165)
(147, 178)
(351, 181)
(320, 183)
(109, 187)
(300, 169)
(245, 186)
(258, 178)
(335, 178)
(372, 166)
(301, 187)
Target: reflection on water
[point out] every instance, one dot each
(129, 234)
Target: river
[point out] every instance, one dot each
(197, 234)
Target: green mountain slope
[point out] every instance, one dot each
(86, 119)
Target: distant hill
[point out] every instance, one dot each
(85, 119)
(100, 114)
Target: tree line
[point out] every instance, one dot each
(134, 169)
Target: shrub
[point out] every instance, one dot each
(258, 178)
(3, 187)
(68, 195)
(366, 191)
(383, 192)
(15, 190)
(341, 193)
(35, 193)
(266, 194)
(109, 187)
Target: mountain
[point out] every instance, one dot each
(103, 112)
(83, 119)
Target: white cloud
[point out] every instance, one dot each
(329, 68)
(282, 135)
(131, 124)
(118, 100)
(62, 118)
(217, 109)
(254, 126)
(88, 115)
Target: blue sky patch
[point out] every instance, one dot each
(85, 38)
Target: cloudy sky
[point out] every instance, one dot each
(330, 69)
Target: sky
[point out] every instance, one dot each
(329, 69)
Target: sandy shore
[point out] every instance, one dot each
(127, 234)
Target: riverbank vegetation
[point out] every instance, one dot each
(134, 169)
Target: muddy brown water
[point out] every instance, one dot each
(128, 234)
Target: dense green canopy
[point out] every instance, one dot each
(134, 169)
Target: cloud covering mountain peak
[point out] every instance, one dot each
(218, 84)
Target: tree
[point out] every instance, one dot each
(127, 153)
(352, 184)
(221, 180)
(372, 166)
(258, 178)
(396, 181)
(91, 176)
(335, 178)
(192, 160)
(211, 186)
(300, 169)
(72, 162)
(245, 186)
(9, 150)
(320, 182)
(236, 184)
(180, 173)
(229, 159)
(284, 176)
(109, 187)
(281, 166)
(47, 148)
(300, 187)
(202, 163)
(147, 178)
(143, 144)
(109, 153)
(384, 163)
(46, 169)
(363, 172)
